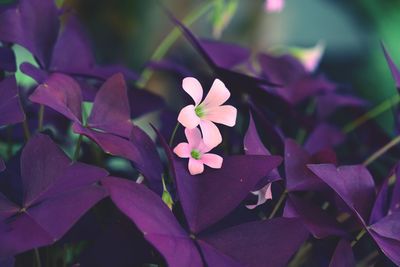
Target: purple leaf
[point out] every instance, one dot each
(142, 102)
(155, 221)
(317, 221)
(111, 111)
(386, 233)
(7, 59)
(343, 255)
(322, 137)
(27, 26)
(282, 70)
(254, 146)
(34, 72)
(140, 149)
(298, 175)
(72, 54)
(56, 194)
(208, 197)
(263, 243)
(224, 55)
(327, 104)
(354, 184)
(10, 106)
(393, 69)
(61, 93)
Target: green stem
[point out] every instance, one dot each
(171, 38)
(379, 109)
(77, 148)
(358, 237)
(381, 151)
(27, 133)
(37, 258)
(41, 115)
(278, 205)
(171, 140)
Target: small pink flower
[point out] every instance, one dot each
(196, 151)
(274, 6)
(263, 194)
(208, 112)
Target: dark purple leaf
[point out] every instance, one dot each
(155, 221)
(27, 26)
(142, 101)
(61, 93)
(282, 70)
(298, 175)
(327, 104)
(72, 54)
(393, 69)
(343, 255)
(34, 72)
(317, 221)
(10, 106)
(56, 194)
(224, 55)
(386, 233)
(354, 184)
(322, 137)
(111, 111)
(208, 197)
(7, 59)
(254, 146)
(263, 243)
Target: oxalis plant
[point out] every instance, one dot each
(249, 167)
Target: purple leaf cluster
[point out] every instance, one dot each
(83, 184)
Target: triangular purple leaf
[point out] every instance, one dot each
(153, 218)
(61, 93)
(354, 184)
(208, 197)
(343, 255)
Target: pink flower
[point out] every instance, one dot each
(196, 151)
(209, 111)
(274, 6)
(263, 194)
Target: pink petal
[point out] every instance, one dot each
(274, 5)
(212, 160)
(188, 118)
(194, 137)
(193, 88)
(223, 114)
(217, 96)
(211, 135)
(263, 194)
(182, 150)
(195, 166)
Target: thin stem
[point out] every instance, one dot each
(358, 237)
(27, 133)
(77, 148)
(171, 38)
(381, 151)
(41, 115)
(377, 110)
(171, 140)
(278, 205)
(37, 258)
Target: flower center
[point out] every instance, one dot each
(199, 111)
(195, 154)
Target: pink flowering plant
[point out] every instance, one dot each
(275, 164)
